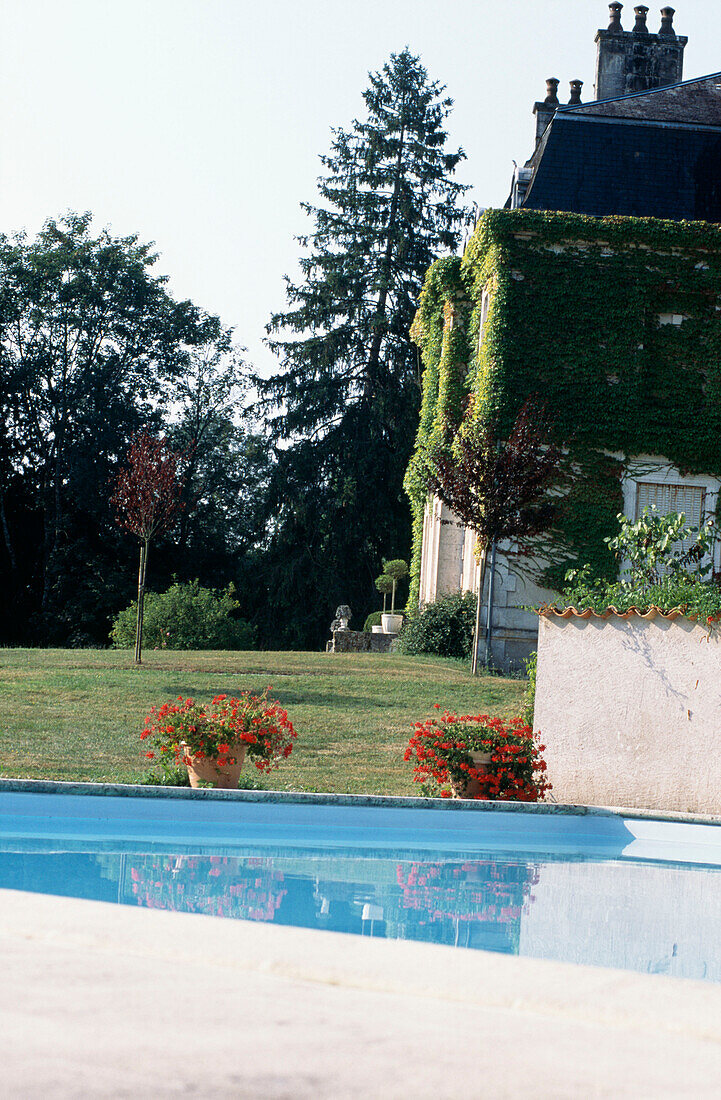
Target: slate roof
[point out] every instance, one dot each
(696, 102)
(653, 154)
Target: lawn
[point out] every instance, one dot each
(77, 714)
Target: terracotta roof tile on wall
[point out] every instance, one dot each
(587, 613)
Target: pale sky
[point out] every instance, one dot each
(198, 123)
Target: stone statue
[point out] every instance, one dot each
(343, 616)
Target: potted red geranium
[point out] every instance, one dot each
(478, 756)
(212, 740)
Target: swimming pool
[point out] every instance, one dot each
(598, 888)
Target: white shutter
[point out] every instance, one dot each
(667, 498)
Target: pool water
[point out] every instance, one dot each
(599, 890)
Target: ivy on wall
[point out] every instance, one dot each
(575, 316)
(440, 329)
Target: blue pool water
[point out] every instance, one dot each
(597, 889)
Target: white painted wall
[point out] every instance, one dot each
(630, 711)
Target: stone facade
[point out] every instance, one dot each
(654, 152)
(629, 708)
(636, 60)
(449, 565)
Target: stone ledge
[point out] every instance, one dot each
(359, 641)
(317, 798)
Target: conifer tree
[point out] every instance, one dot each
(343, 407)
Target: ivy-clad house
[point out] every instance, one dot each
(614, 320)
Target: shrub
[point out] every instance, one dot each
(185, 617)
(529, 699)
(444, 628)
(694, 599)
(374, 619)
(667, 561)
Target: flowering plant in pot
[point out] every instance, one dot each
(478, 756)
(212, 740)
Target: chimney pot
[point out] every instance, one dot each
(576, 86)
(641, 13)
(615, 16)
(552, 90)
(667, 15)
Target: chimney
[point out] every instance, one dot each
(576, 86)
(667, 30)
(637, 61)
(641, 13)
(545, 111)
(552, 91)
(615, 13)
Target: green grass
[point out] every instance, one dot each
(77, 714)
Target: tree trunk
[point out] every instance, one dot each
(6, 534)
(380, 315)
(141, 601)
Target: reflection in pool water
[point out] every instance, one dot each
(219, 886)
(422, 901)
(614, 912)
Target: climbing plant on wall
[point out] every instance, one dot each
(615, 322)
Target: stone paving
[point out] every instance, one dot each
(112, 1001)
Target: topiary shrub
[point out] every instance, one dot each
(185, 617)
(444, 628)
(374, 619)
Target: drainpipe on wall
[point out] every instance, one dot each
(489, 613)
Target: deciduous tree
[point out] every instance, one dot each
(147, 500)
(499, 488)
(92, 348)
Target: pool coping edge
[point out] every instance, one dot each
(130, 790)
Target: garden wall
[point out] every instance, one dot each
(629, 708)
(359, 641)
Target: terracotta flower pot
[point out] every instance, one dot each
(208, 770)
(470, 787)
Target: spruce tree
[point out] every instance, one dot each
(343, 408)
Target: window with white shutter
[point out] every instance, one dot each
(668, 498)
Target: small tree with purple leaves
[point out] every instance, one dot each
(498, 488)
(147, 500)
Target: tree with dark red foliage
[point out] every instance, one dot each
(498, 488)
(147, 499)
